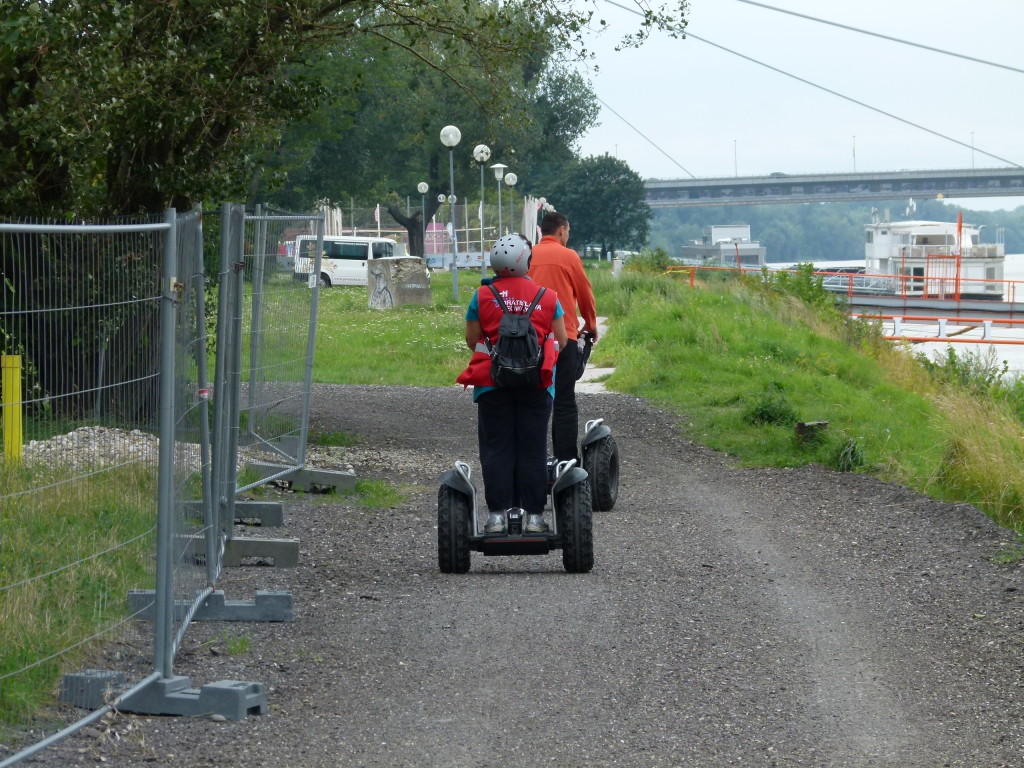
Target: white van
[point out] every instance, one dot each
(344, 258)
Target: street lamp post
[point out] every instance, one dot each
(450, 136)
(482, 153)
(441, 200)
(511, 179)
(499, 173)
(422, 188)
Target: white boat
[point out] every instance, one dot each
(925, 260)
(935, 259)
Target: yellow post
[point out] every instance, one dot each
(10, 391)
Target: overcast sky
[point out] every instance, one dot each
(716, 114)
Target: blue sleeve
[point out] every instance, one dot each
(558, 309)
(473, 310)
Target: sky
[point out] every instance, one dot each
(708, 112)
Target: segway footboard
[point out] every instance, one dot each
(515, 541)
(459, 532)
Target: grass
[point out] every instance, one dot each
(409, 345)
(333, 439)
(93, 541)
(233, 644)
(375, 494)
(742, 361)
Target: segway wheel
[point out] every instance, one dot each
(576, 526)
(601, 460)
(453, 523)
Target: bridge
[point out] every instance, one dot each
(834, 187)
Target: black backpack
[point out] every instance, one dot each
(516, 358)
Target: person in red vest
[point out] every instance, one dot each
(512, 422)
(559, 268)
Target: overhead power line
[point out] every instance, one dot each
(884, 37)
(834, 93)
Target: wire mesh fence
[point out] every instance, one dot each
(121, 451)
(278, 322)
(80, 319)
(266, 324)
(194, 544)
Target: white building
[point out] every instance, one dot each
(725, 245)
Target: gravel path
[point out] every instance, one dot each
(734, 617)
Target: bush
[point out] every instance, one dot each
(656, 260)
(974, 371)
(802, 283)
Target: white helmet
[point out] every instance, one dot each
(510, 256)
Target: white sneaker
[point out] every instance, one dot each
(495, 523)
(535, 524)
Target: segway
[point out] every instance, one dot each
(598, 449)
(459, 531)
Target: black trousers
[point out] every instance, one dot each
(512, 426)
(565, 417)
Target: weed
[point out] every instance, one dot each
(1012, 554)
(230, 643)
(847, 456)
(377, 494)
(977, 371)
(771, 407)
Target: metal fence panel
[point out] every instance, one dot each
(194, 542)
(79, 332)
(112, 454)
(277, 316)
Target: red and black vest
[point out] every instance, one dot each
(518, 293)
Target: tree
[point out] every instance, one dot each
(383, 141)
(126, 107)
(605, 202)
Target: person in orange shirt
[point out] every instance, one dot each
(559, 268)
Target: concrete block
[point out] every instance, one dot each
(396, 281)
(283, 552)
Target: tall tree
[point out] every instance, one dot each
(605, 202)
(131, 105)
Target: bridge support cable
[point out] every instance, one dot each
(884, 37)
(640, 133)
(903, 120)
